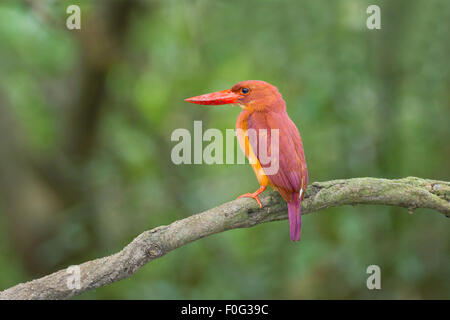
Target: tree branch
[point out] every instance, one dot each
(410, 193)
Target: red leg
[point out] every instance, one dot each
(255, 195)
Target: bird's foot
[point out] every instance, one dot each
(254, 195)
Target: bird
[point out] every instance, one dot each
(264, 112)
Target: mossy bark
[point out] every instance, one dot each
(410, 193)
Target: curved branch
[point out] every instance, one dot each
(410, 193)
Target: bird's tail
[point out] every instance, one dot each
(295, 217)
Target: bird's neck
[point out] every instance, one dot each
(241, 121)
(268, 104)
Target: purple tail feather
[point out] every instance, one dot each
(295, 217)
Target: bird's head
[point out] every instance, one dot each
(254, 95)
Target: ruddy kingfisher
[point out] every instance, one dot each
(264, 112)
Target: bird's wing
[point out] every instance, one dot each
(287, 170)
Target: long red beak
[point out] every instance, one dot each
(215, 98)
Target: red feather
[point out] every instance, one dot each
(292, 175)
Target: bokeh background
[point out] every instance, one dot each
(86, 118)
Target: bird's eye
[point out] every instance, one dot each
(245, 90)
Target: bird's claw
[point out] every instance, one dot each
(253, 196)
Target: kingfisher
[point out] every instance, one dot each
(276, 137)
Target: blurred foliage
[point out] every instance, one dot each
(86, 119)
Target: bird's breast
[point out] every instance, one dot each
(244, 143)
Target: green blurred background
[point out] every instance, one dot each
(86, 119)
